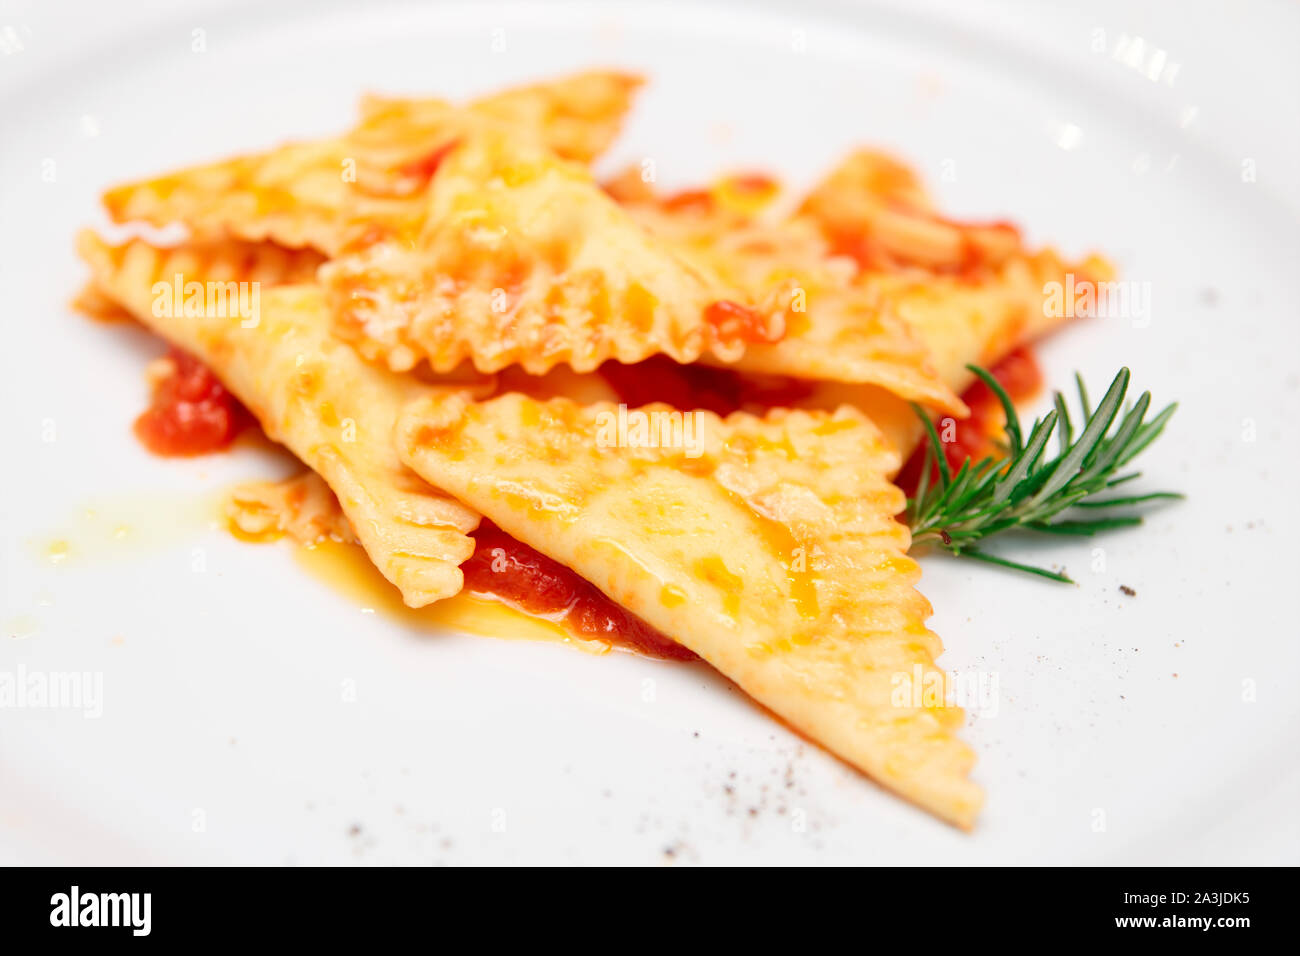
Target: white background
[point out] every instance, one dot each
(222, 698)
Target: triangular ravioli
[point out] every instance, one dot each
(524, 260)
(302, 507)
(767, 546)
(577, 116)
(971, 291)
(331, 193)
(954, 318)
(839, 330)
(310, 392)
(874, 208)
(961, 322)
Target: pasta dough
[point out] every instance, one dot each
(328, 194)
(313, 394)
(773, 554)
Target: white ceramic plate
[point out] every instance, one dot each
(1156, 728)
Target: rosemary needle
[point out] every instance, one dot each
(1031, 489)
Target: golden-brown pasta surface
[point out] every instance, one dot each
(328, 194)
(767, 546)
(310, 392)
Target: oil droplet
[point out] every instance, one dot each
(108, 530)
(22, 627)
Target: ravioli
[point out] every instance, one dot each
(960, 323)
(311, 393)
(839, 330)
(333, 193)
(577, 116)
(953, 317)
(301, 507)
(524, 260)
(971, 291)
(875, 208)
(768, 546)
(447, 308)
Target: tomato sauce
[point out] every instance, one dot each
(869, 254)
(760, 183)
(1018, 373)
(689, 200)
(872, 255)
(731, 322)
(191, 413)
(690, 387)
(423, 168)
(513, 572)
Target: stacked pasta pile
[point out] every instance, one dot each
(450, 310)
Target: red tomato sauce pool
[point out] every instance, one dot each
(690, 387)
(513, 572)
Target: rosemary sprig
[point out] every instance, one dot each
(1029, 489)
